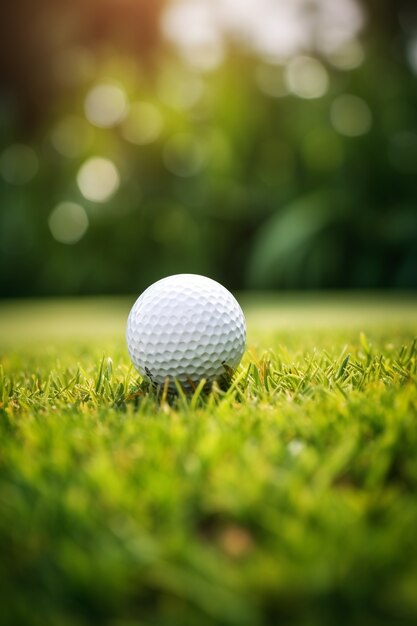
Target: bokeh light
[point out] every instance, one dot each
(335, 23)
(68, 222)
(192, 26)
(206, 56)
(276, 30)
(306, 77)
(184, 126)
(143, 123)
(98, 179)
(348, 57)
(18, 164)
(105, 105)
(412, 53)
(350, 115)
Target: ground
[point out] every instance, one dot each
(288, 499)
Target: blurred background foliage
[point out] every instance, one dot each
(266, 143)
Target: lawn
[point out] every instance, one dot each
(290, 498)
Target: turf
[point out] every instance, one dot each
(289, 498)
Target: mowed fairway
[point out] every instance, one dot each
(291, 498)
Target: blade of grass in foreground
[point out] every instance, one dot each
(287, 498)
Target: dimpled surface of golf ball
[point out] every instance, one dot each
(186, 328)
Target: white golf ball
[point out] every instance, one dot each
(186, 328)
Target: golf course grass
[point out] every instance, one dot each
(290, 498)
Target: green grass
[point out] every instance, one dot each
(288, 499)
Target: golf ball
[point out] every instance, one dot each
(186, 328)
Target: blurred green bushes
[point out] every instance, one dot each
(234, 172)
